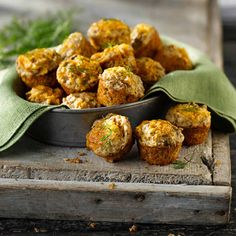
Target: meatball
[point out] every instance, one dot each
(49, 80)
(159, 141)
(119, 86)
(76, 44)
(78, 74)
(107, 32)
(110, 137)
(119, 55)
(36, 67)
(81, 100)
(173, 58)
(193, 118)
(145, 40)
(45, 95)
(149, 70)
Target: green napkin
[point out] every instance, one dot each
(16, 114)
(205, 84)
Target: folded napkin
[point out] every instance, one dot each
(205, 84)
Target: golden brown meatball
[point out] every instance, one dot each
(81, 100)
(107, 32)
(45, 95)
(110, 137)
(119, 55)
(78, 74)
(37, 66)
(193, 118)
(149, 70)
(76, 44)
(159, 141)
(173, 58)
(49, 80)
(145, 40)
(119, 86)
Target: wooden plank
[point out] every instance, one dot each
(222, 162)
(34, 160)
(129, 202)
(221, 148)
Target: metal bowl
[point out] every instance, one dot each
(67, 127)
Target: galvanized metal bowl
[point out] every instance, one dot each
(66, 127)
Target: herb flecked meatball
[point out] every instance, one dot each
(149, 70)
(119, 55)
(119, 86)
(108, 32)
(81, 100)
(76, 44)
(159, 141)
(110, 137)
(173, 58)
(193, 118)
(145, 40)
(78, 74)
(38, 67)
(45, 95)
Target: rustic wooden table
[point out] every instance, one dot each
(198, 18)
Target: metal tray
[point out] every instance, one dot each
(67, 127)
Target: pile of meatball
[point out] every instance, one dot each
(114, 66)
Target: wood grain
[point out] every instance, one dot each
(99, 202)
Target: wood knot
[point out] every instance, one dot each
(98, 201)
(220, 213)
(139, 197)
(195, 212)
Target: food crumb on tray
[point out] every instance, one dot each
(111, 186)
(133, 229)
(73, 160)
(92, 225)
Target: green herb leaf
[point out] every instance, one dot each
(179, 164)
(20, 36)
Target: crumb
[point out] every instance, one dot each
(92, 225)
(111, 186)
(82, 154)
(73, 160)
(217, 162)
(36, 230)
(133, 228)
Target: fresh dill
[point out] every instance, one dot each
(20, 36)
(105, 139)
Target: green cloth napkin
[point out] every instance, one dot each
(205, 84)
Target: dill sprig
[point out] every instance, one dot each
(20, 36)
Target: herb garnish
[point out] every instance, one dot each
(20, 36)
(181, 164)
(106, 142)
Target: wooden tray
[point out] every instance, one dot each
(37, 182)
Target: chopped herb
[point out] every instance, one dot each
(179, 164)
(108, 45)
(81, 70)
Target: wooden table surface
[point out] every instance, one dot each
(104, 229)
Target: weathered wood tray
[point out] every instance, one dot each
(41, 181)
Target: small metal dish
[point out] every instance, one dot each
(67, 127)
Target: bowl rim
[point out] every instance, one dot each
(105, 109)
